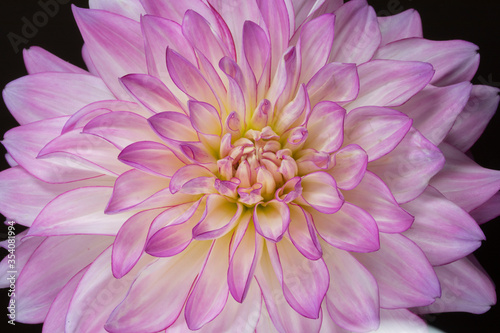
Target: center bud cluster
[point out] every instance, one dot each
(254, 167)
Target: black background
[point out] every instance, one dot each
(477, 22)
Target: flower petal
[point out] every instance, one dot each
(350, 166)
(283, 316)
(205, 118)
(357, 35)
(466, 288)
(245, 252)
(62, 217)
(132, 188)
(472, 121)
(434, 109)
(19, 186)
(488, 210)
(115, 45)
(271, 219)
(390, 82)
(377, 130)
(303, 234)
(38, 60)
(151, 157)
(174, 277)
(315, 44)
(326, 121)
(151, 92)
(121, 128)
(382, 207)
(463, 181)
(349, 229)
(409, 167)
(304, 281)
(334, 82)
(98, 293)
(352, 299)
(130, 242)
(209, 294)
(442, 229)
(47, 95)
(404, 275)
(173, 126)
(454, 60)
(220, 216)
(132, 9)
(44, 275)
(319, 190)
(404, 25)
(56, 317)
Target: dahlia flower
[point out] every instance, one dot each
(248, 166)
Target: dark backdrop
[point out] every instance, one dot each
(476, 21)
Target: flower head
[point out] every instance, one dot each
(288, 166)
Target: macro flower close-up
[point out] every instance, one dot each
(247, 166)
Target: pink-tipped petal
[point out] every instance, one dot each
(121, 128)
(189, 79)
(304, 281)
(115, 45)
(284, 318)
(463, 181)
(62, 217)
(219, 218)
(98, 293)
(174, 277)
(151, 157)
(390, 217)
(350, 166)
(434, 109)
(37, 285)
(409, 167)
(19, 185)
(303, 234)
(444, 231)
(210, 292)
(243, 260)
(404, 25)
(276, 17)
(38, 60)
(326, 121)
(191, 175)
(488, 210)
(132, 9)
(404, 275)
(357, 35)
(352, 299)
(205, 118)
(173, 126)
(271, 219)
(48, 95)
(132, 188)
(349, 229)
(334, 82)
(390, 82)
(151, 92)
(472, 121)
(56, 317)
(466, 288)
(130, 242)
(454, 61)
(315, 44)
(319, 190)
(377, 130)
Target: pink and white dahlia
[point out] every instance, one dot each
(248, 166)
